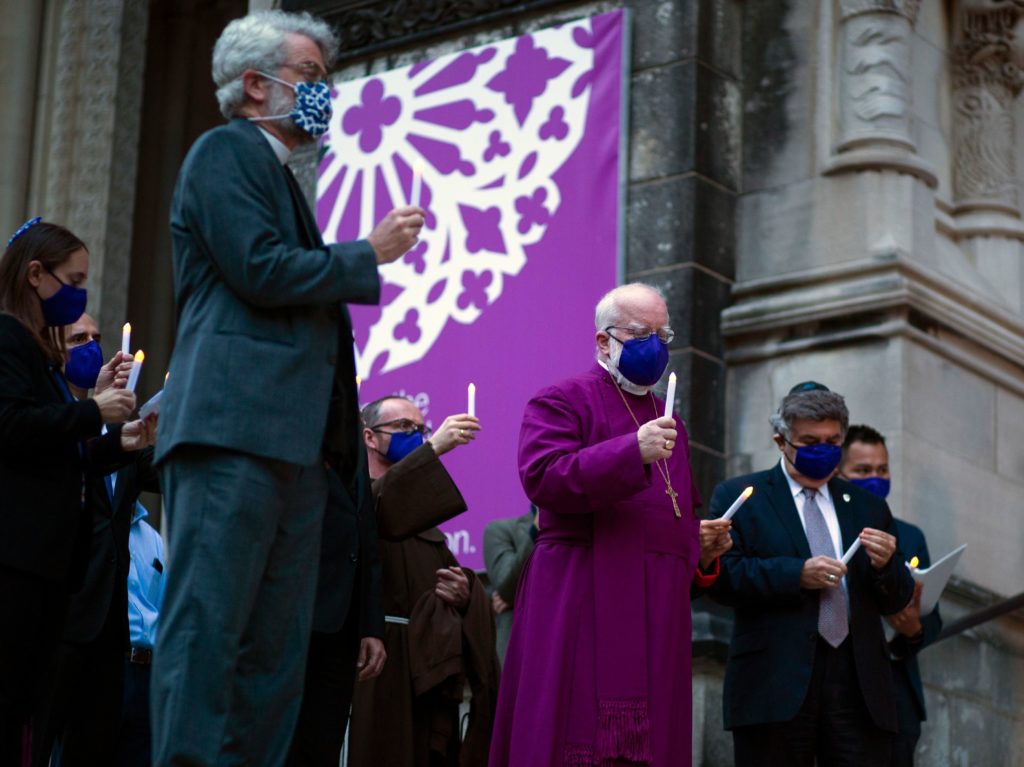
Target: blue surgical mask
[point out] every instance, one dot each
(876, 485)
(642, 361)
(403, 443)
(817, 461)
(312, 109)
(65, 306)
(83, 365)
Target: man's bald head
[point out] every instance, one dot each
(628, 300)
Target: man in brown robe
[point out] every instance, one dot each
(439, 631)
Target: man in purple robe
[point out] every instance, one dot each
(598, 666)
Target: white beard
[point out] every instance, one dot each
(611, 364)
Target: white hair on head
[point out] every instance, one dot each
(607, 311)
(256, 42)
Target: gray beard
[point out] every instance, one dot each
(610, 364)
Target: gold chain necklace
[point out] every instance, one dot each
(663, 470)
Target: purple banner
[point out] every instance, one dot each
(518, 145)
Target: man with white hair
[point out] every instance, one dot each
(261, 394)
(598, 665)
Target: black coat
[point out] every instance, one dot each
(350, 568)
(775, 635)
(909, 692)
(104, 586)
(47, 444)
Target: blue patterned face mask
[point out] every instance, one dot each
(312, 109)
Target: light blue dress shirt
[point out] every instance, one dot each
(145, 580)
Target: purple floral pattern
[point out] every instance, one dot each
(368, 120)
(489, 127)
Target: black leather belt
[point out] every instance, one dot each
(141, 655)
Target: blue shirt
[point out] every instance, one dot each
(145, 580)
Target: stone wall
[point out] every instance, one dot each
(878, 251)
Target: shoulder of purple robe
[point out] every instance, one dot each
(567, 460)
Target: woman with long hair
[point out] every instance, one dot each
(49, 442)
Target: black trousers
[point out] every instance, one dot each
(327, 697)
(833, 725)
(135, 739)
(84, 714)
(34, 611)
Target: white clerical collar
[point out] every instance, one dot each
(623, 382)
(280, 148)
(796, 488)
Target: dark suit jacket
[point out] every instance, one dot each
(105, 584)
(46, 444)
(350, 569)
(909, 692)
(776, 630)
(263, 344)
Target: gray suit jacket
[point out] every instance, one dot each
(507, 545)
(264, 345)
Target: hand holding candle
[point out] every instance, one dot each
(670, 395)
(471, 400)
(738, 502)
(133, 377)
(126, 338)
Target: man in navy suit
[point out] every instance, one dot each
(807, 678)
(866, 463)
(261, 395)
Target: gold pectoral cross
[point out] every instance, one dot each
(671, 493)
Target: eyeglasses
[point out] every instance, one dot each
(312, 72)
(665, 335)
(402, 425)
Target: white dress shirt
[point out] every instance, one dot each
(825, 505)
(282, 151)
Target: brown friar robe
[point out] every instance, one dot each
(408, 716)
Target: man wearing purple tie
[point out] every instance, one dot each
(807, 679)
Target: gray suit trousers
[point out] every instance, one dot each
(244, 543)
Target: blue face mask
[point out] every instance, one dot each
(312, 109)
(65, 306)
(816, 461)
(83, 365)
(643, 361)
(403, 443)
(876, 485)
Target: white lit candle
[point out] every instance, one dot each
(670, 395)
(126, 338)
(417, 184)
(738, 502)
(851, 551)
(133, 377)
(471, 404)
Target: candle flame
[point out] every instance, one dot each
(914, 561)
(472, 387)
(747, 493)
(139, 356)
(126, 328)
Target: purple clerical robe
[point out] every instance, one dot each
(598, 665)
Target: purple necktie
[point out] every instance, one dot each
(833, 622)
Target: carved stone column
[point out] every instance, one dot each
(874, 80)
(986, 82)
(83, 168)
